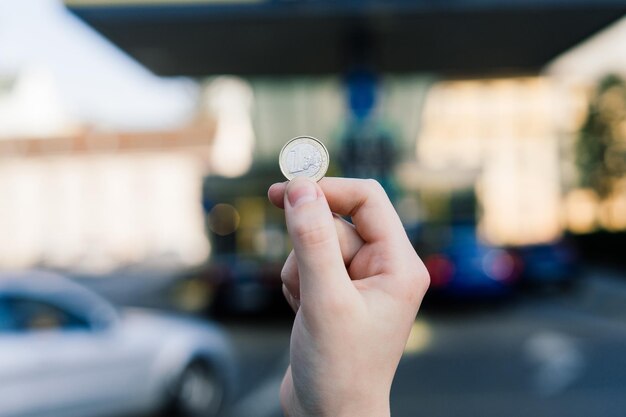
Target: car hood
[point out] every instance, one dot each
(177, 338)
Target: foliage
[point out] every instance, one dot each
(601, 147)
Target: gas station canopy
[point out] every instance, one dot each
(283, 37)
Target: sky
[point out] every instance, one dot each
(98, 84)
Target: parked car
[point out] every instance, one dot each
(245, 285)
(551, 265)
(65, 351)
(461, 265)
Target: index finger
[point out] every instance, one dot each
(365, 201)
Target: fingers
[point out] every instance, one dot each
(315, 242)
(349, 242)
(276, 194)
(289, 276)
(364, 200)
(291, 300)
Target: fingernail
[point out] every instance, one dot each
(301, 190)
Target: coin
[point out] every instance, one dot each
(303, 156)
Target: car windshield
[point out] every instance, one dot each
(7, 320)
(31, 315)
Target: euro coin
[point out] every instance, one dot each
(304, 156)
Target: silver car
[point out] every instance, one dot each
(65, 352)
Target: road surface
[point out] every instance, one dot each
(557, 355)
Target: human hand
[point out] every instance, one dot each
(355, 289)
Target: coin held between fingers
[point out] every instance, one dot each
(304, 156)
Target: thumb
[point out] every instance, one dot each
(314, 237)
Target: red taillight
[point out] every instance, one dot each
(441, 270)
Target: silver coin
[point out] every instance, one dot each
(304, 156)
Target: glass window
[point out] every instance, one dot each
(17, 314)
(6, 319)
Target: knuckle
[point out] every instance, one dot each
(420, 279)
(374, 187)
(374, 190)
(425, 279)
(373, 183)
(284, 274)
(290, 280)
(416, 283)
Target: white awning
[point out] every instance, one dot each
(602, 54)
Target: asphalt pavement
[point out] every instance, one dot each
(535, 355)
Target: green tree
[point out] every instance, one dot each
(601, 146)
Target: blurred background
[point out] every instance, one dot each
(138, 139)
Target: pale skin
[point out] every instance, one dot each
(355, 289)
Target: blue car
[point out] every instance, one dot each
(462, 265)
(549, 265)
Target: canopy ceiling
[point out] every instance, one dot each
(280, 37)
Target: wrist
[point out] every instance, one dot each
(370, 407)
(348, 407)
